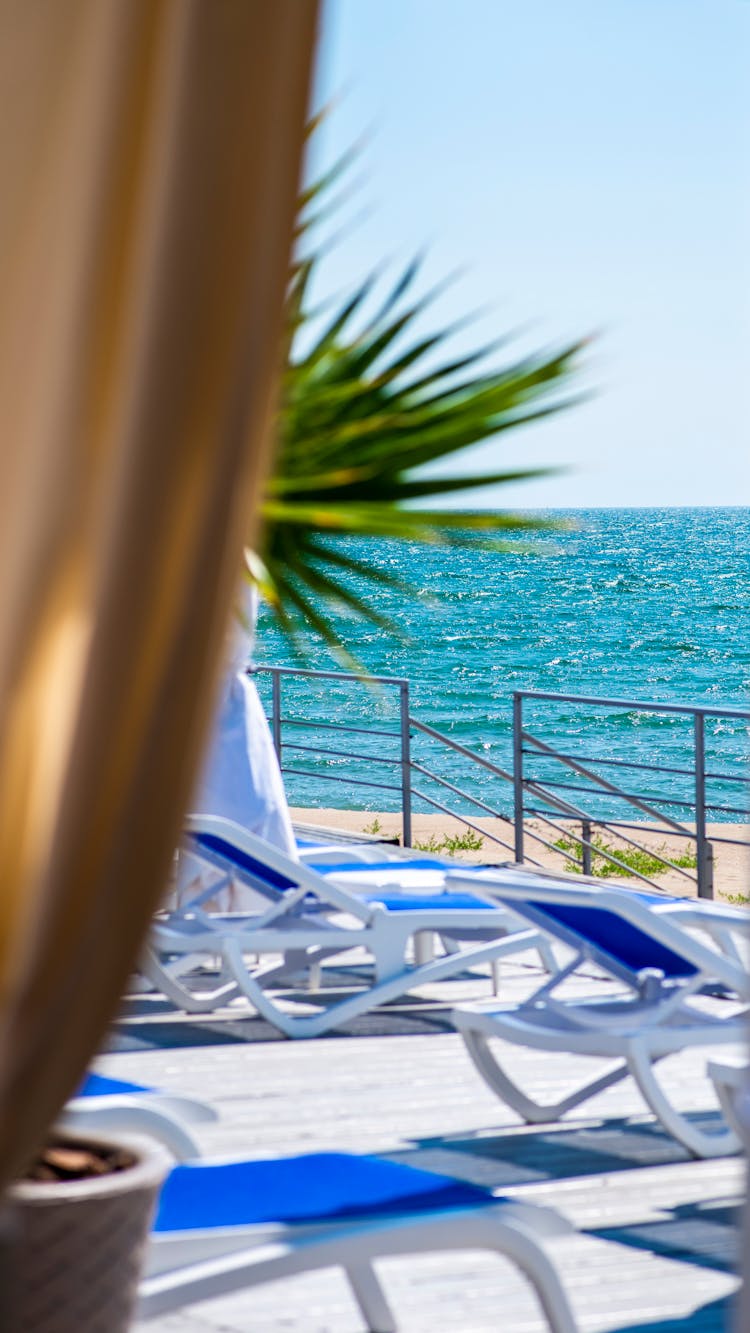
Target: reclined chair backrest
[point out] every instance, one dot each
(234, 860)
(245, 857)
(625, 932)
(608, 938)
(264, 869)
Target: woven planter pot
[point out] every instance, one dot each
(73, 1250)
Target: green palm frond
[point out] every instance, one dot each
(366, 408)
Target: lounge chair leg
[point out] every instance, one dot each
(547, 957)
(525, 1250)
(533, 1112)
(294, 967)
(388, 952)
(424, 947)
(315, 977)
(170, 985)
(495, 970)
(370, 1298)
(699, 1143)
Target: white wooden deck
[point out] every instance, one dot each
(657, 1232)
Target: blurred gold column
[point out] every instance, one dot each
(149, 160)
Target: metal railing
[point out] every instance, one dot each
(398, 762)
(685, 816)
(557, 801)
(400, 769)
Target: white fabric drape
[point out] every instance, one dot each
(240, 778)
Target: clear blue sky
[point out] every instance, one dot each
(585, 163)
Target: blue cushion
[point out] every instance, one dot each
(612, 934)
(319, 1186)
(423, 902)
(657, 897)
(239, 860)
(96, 1085)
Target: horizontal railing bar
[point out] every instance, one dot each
(438, 805)
(639, 847)
(461, 749)
(531, 833)
(727, 777)
(614, 860)
(639, 828)
(633, 798)
(639, 804)
(615, 763)
(563, 807)
(538, 814)
(339, 726)
(632, 763)
(558, 851)
(338, 777)
(342, 754)
(655, 830)
(639, 705)
(475, 800)
(620, 824)
(256, 670)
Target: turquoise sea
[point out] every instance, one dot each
(644, 604)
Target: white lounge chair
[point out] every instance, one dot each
(309, 918)
(102, 1104)
(221, 1227)
(663, 952)
(226, 1225)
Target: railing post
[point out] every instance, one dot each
(518, 775)
(703, 849)
(586, 846)
(405, 764)
(276, 712)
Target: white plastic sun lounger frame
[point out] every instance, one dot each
(197, 1269)
(160, 1115)
(732, 1083)
(305, 932)
(653, 1019)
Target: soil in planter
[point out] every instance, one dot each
(66, 1161)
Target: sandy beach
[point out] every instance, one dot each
(434, 833)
